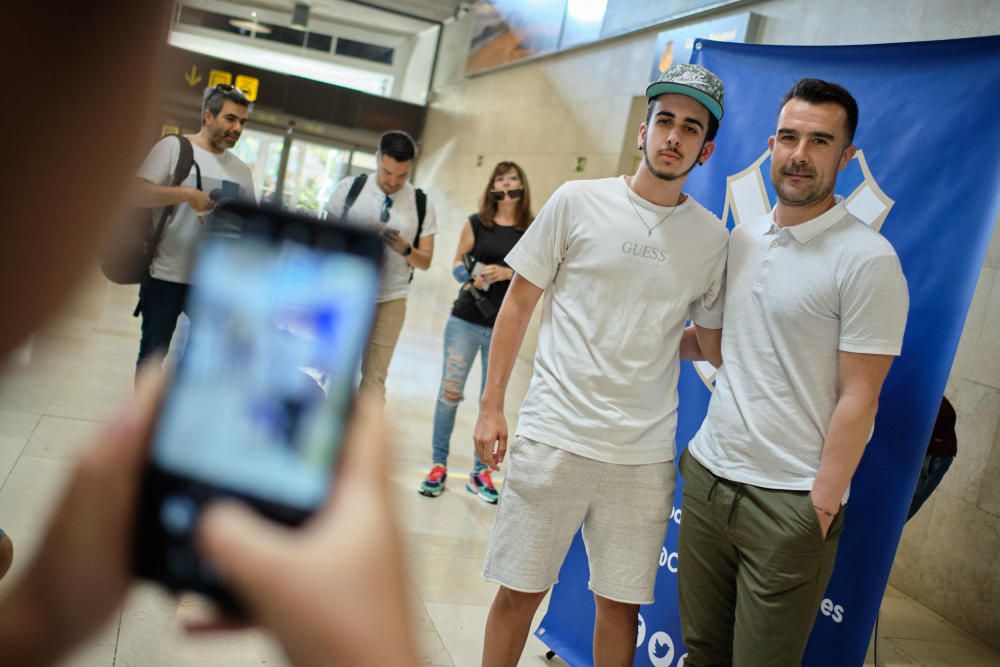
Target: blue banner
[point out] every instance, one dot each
(928, 177)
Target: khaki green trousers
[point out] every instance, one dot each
(752, 570)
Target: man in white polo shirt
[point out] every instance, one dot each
(623, 263)
(816, 305)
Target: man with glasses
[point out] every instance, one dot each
(406, 221)
(216, 169)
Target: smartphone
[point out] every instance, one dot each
(280, 314)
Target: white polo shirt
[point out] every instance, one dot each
(795, 298)
(616, 299)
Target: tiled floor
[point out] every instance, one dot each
(81, 366)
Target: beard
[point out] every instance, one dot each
(665, 175)
(222, 139)
(818, 191)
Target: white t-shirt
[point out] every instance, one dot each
(794, 298)
(367, 208)
(176, 251)
(616, 300)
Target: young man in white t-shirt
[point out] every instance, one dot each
(163, 292)
(623, 263)
(816, 305)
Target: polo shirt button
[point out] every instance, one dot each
(774, 244)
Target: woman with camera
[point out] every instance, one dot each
(487, 236)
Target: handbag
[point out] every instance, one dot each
(129, 249)
(485, 307)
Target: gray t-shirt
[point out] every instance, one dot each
(219, 171)
(795, 298)
(616, 300)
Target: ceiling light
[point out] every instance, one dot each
(250, 26)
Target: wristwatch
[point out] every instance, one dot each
(407, 250)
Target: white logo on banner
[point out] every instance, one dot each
(661, 649)
(747, 198)
(668, 559)
(641, 636)
(834, 611)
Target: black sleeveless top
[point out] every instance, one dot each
(491, 247)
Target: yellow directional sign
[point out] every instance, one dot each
(248, 85)
(218, 76)
(169, 129)
(192, 77)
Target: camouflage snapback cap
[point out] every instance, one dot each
(694, 81)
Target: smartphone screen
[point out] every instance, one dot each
(260, 398)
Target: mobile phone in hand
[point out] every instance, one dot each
(261, 397)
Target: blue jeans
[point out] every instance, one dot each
(462, 341)
(160, 303)
(931, 472)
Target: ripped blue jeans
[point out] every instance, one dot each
(462, 340)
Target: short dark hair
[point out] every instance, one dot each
(217, 95)
(710, 131)
(817, 91)
(398, 145)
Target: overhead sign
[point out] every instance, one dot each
(291, 95)
(192, 77)
(248, 85)
(218, 77)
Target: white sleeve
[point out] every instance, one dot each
(430, 220)
(540, 251)
(706, 311)
(874, 303)
(335, 206)
(158, 167)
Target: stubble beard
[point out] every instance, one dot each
(664, 175)
(818, 192)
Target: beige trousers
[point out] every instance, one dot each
(389, 317)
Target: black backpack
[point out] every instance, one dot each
(129, 249)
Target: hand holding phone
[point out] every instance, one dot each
(349, 551)
(273, 312)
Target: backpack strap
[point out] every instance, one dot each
(352, 194)
(421, 198)
(185, 160)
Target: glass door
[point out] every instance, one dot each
(313, 172)
(261, 151)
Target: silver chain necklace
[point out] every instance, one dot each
(649, 230)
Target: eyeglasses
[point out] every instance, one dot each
(386, 205)
(498, 195)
